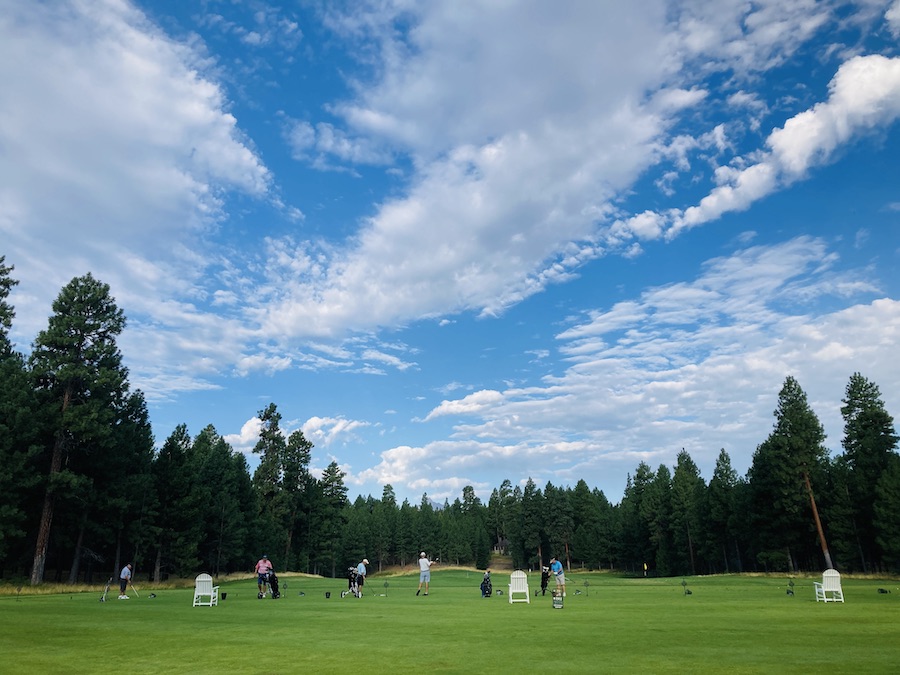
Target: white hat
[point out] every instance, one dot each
(422, 554)
(365, 561)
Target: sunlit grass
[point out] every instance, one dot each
(728, 623)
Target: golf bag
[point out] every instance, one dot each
(352, 583)
(272, 583)
(487, 588)
(545, 577)
(106, 590)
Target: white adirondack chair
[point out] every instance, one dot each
(205, 594)
(830, 588)
(518, 585)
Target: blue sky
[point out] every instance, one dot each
(458, 242)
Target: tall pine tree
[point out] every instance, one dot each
(869, 441)
(784, 470)
(81, 382)
(17, 427)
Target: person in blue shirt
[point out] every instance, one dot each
(556, 569)
(361, 575)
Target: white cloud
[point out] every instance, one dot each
(473, 403)
(387, 359)
(262, 25)
(246, 440)
(513, 167)
(864, 97)
(892, 16)
(698, 365)
(510, 185)
(749, 37)
(328, 431)
(322, 432)
(325, 146)
(260, 362)
(114, 142)
(520, 133)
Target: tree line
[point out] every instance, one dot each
(83, 489)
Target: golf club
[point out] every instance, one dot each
(135, 591)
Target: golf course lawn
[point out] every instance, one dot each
(731, 623)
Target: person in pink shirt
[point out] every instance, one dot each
(263, 567)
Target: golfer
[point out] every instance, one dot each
(556, 569)
(361, 575)
(124, 579)
(424, 572)
(263, 567)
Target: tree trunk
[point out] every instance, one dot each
(76, 558)
(157, 566)
(290, 538)
(221, 536)
(40, 548)
(691, 550)
(738, 558)
(117, 565)
(43, 538)
(812, 500)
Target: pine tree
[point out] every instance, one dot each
(498, 516)
(267, 477)
(720, 510)
(782, 475)
(869, 441)
(80, 379)
(637, 550)
(384, 519)
(559, 522)
(295, 491)
(656, 511)
(17, 428)
(532, 524)
(887, 512)
(118, 503)
(688, 492)
(177, 530)
(332, 515)
(220, 504)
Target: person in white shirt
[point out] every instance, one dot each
(424, 572)
(124, 579)
(361, 572)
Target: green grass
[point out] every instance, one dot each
(734, 624)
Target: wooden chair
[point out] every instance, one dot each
(829, 590)
(518, 585)
(205, 594)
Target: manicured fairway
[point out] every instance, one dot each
(726, 624)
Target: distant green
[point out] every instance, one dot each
(726, 624)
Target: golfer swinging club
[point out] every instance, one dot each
(424, 572)
(556, 569)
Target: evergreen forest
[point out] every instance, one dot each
(84, 487)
